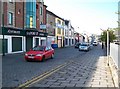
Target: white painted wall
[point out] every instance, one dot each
(115, 53)
(9, 38)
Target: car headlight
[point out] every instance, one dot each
(86, 48)
(38, 55)
(26, 54)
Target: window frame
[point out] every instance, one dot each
(10, 18)
(11, 1)
(41, 11)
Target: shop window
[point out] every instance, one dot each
(16, 44)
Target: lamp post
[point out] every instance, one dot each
(3, 47)
(108, 46)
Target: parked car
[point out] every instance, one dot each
(39, 53)
(77, 45)
(84, 47)
(95, 43)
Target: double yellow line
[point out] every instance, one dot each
(42, 76)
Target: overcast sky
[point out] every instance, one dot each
(88, 15)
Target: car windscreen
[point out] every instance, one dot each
(38, 48)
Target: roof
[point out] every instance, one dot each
(66, 22)
(51, 13)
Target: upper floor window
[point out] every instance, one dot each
(41, 22)
(59, 22)
(41, 11)
(51, 23)
(59, 31)
(37, 6)
(63, 23)
(10, 18)
(11, 1)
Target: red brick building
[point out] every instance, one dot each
(22, 29)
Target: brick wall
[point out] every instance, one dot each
(11, 8)
(5, 13)
(0, 13)
(38, 16)
(44, 14)
(19, 14)
(50, 24)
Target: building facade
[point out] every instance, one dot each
(59, 31)
(66, 33)
(51, 27)
(22, 29)
(69, 37)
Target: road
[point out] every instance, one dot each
(17, 71)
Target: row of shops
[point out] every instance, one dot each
(19, 40)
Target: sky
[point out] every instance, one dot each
(86, 16)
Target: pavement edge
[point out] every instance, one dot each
(114, 72)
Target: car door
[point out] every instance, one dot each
(49, 52)
(46, 52)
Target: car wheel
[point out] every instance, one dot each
(28, 60)
(52, 56)
(43, 58)
(79, 49)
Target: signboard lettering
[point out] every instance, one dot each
(13, 32)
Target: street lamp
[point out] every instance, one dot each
(107, 45)
(3, 48)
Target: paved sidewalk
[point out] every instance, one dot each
(88, 72)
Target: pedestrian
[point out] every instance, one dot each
(102, 45)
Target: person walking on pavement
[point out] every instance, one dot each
(102, 45)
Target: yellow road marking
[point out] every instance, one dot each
(42, 76)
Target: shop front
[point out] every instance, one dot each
(35, 38)
(12, 40)
(66, 41)
(15, 40)
(59, 41)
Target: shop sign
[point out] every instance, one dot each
(31, 33)
(59, 37)
(59, 26)
(35, 33)
(12, 31)
(43, 26)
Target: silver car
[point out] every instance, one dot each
(84, 47)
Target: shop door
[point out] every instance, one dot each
(36, 41)
(5, 45)
(43, 42)
(29, 43)
(59, 43)
(16, 44)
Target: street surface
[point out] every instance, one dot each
(84, 69)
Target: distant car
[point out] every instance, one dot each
(84, 47)
(77, 45)
(95, 43)
(39, 53)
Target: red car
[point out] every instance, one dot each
(39, 53)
